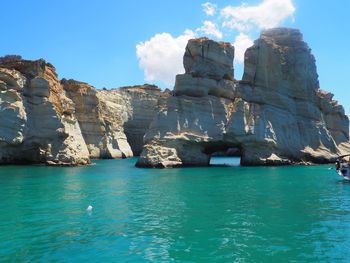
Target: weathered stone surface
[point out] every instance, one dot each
(100, 123)
(184, 130)
(37, 123)
(12, 114)
(47, 121)
(209, 59)
(186, 84)
(141, 105)
(113, 122)
(280, 61)
(334, 115)
(276, 115)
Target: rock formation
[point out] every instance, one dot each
(276, 115)
(47, 121)
(100, 122)
(140, 106)
(38, 122)
(113, 122)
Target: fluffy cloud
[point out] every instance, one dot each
(161, 56)
(242, 42)
(270, 13)
(209, 29)
(209, 8)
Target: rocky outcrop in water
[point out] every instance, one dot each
(100, 122)
(140, 106)
(113, 122)
(44, 120)
(276, 115)
(37, 121)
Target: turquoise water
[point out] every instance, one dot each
(224, 161)
(217, 214)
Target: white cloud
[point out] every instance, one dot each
(209, 8)
(247, 18)
(209, 29)
(242, 42)
(161, 56)
(268, 14)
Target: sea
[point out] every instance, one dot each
(222, 213)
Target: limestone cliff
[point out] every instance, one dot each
(38, 122)
(140, 106)
(276, 115)
(113, 122)
(44, 120)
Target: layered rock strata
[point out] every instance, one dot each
(140, 106)
(113, 122)
(276, 115)
(44, 120)
(100, 122)
(37, 121)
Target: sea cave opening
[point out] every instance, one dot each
(224, 155)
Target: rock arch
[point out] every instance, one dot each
(277, 114)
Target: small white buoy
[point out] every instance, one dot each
(89, 208)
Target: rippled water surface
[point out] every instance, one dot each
(216, 214)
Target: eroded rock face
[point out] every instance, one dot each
(280, 89)
(38, 123)
(205, 58)
(276, 115)
(141, 105)
(100, 123)
(113, 122)
(47, 121)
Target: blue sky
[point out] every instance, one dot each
(96, 41)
